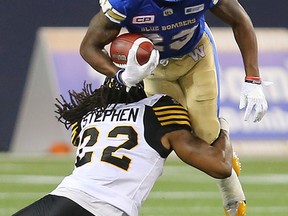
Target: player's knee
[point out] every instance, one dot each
(207, 130)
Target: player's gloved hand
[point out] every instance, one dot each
(134, 72)
(252, 97)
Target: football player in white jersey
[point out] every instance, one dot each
(123, 139)
(189, 68)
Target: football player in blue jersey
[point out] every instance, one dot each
(189, 67)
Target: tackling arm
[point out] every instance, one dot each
(101, 31)
(215, 159)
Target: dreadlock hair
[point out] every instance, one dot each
(110, 92)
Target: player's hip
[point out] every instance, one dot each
(202, 58)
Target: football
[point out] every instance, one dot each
(120, 47)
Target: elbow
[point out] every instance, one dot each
(87, 48)
(223, 172)
(83, 50)
(88, 52)
(222, 175)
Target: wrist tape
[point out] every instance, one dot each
(253, 80)
(118, 76)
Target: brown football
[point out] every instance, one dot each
(120, 47)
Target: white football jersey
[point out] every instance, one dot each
(119, 155)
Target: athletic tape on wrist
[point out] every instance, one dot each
(253, 80)
(118, 76)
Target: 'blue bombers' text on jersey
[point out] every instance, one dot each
(175, 28)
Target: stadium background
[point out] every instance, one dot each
(20, 22)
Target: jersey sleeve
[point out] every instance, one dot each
(171, 114)
(114, 10)
(214, 2)
(165, 116)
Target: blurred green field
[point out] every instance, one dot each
(181, 191)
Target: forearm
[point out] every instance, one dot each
(99, 60)
(223, 157)
(224, 145)
(247, 42)
(100, 33)
(215, 159)
(232, 13)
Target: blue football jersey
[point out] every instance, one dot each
(175, 28)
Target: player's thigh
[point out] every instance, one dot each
(200, 86)
(165, 78)
(162, 86)
(52, 205)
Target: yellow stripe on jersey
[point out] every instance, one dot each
(74, 133)
(115, 16)
(74, 125)
(165, 118)
(166, 112)
(110, 12)
(179, 107)
(176, 122)
(173, 114)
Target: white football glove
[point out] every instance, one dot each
(134, 72)
(252, 97)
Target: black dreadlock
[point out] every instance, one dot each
(111, 92)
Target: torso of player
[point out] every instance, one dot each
(114, 156)
(115, 137)
(175, 30)
(119, 155)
